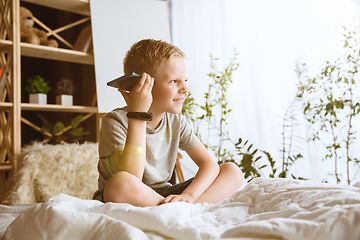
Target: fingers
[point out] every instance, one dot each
(151, 85)
(123, 92)
(146, 83)
(175, 198)
(169, 198)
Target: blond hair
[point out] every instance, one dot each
(147, 56)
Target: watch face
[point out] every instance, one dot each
(144, 116)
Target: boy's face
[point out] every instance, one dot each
(170, 87)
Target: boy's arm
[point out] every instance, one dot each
(208, 171)
(132, 158)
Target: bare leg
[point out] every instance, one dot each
(124, 187)
(227, 182)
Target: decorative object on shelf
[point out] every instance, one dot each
(33, 35)
(64, 100)
(37, 89)
(84, 41)
(64, 90)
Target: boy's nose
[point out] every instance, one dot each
(184, 87)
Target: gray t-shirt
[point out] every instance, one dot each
(162, 145)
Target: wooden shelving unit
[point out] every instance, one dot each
(11, 53)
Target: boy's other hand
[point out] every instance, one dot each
(179, 198)
(139, 99)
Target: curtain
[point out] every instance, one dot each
(198, 28)
(271, 37)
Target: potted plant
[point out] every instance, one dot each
(64, 90)
(37, 89)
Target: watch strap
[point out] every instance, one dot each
(145, 116)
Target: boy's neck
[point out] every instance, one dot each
(156, 121)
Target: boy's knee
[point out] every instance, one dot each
(232, 170)
(118, 186)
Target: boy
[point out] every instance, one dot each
(137, 155)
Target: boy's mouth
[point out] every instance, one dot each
(179, 100)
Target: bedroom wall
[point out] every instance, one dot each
(116, 26)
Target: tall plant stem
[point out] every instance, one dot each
(283, 133)
(223, 97)
(335, 151)
(349, 134)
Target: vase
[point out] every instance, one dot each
(38, 98)
(64, 100)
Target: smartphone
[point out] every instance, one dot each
(126, 82)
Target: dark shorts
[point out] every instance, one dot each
(175, 189)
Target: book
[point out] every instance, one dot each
(84, 40)
(3, 80)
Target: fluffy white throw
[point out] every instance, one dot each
(265, 208)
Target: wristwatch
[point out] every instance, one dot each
(145, 116)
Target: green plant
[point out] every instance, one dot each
(252, 167)
(37, 84)
(65, 86)
(249, 161)
(215, 100)
(56, 133)
(289, 136)
(330, 104)
(189, 108)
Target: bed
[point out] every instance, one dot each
(263, 209)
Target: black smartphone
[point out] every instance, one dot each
(126, 82)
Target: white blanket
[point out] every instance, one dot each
(265, 208)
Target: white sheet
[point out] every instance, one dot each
(265, 208)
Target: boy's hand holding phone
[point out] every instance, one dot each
(139, 99)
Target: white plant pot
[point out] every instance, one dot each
(65, 100)
(38, 98)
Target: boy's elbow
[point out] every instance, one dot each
(122, 163)
(213, 167)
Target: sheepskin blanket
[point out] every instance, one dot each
(46, 170)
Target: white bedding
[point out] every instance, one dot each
(265, 208)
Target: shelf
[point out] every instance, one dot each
(45, 52)
(57, 108)
(6, 105)
(5, 45)
(5, 167)
(75, 6)
(50, 107)
(59, 54)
